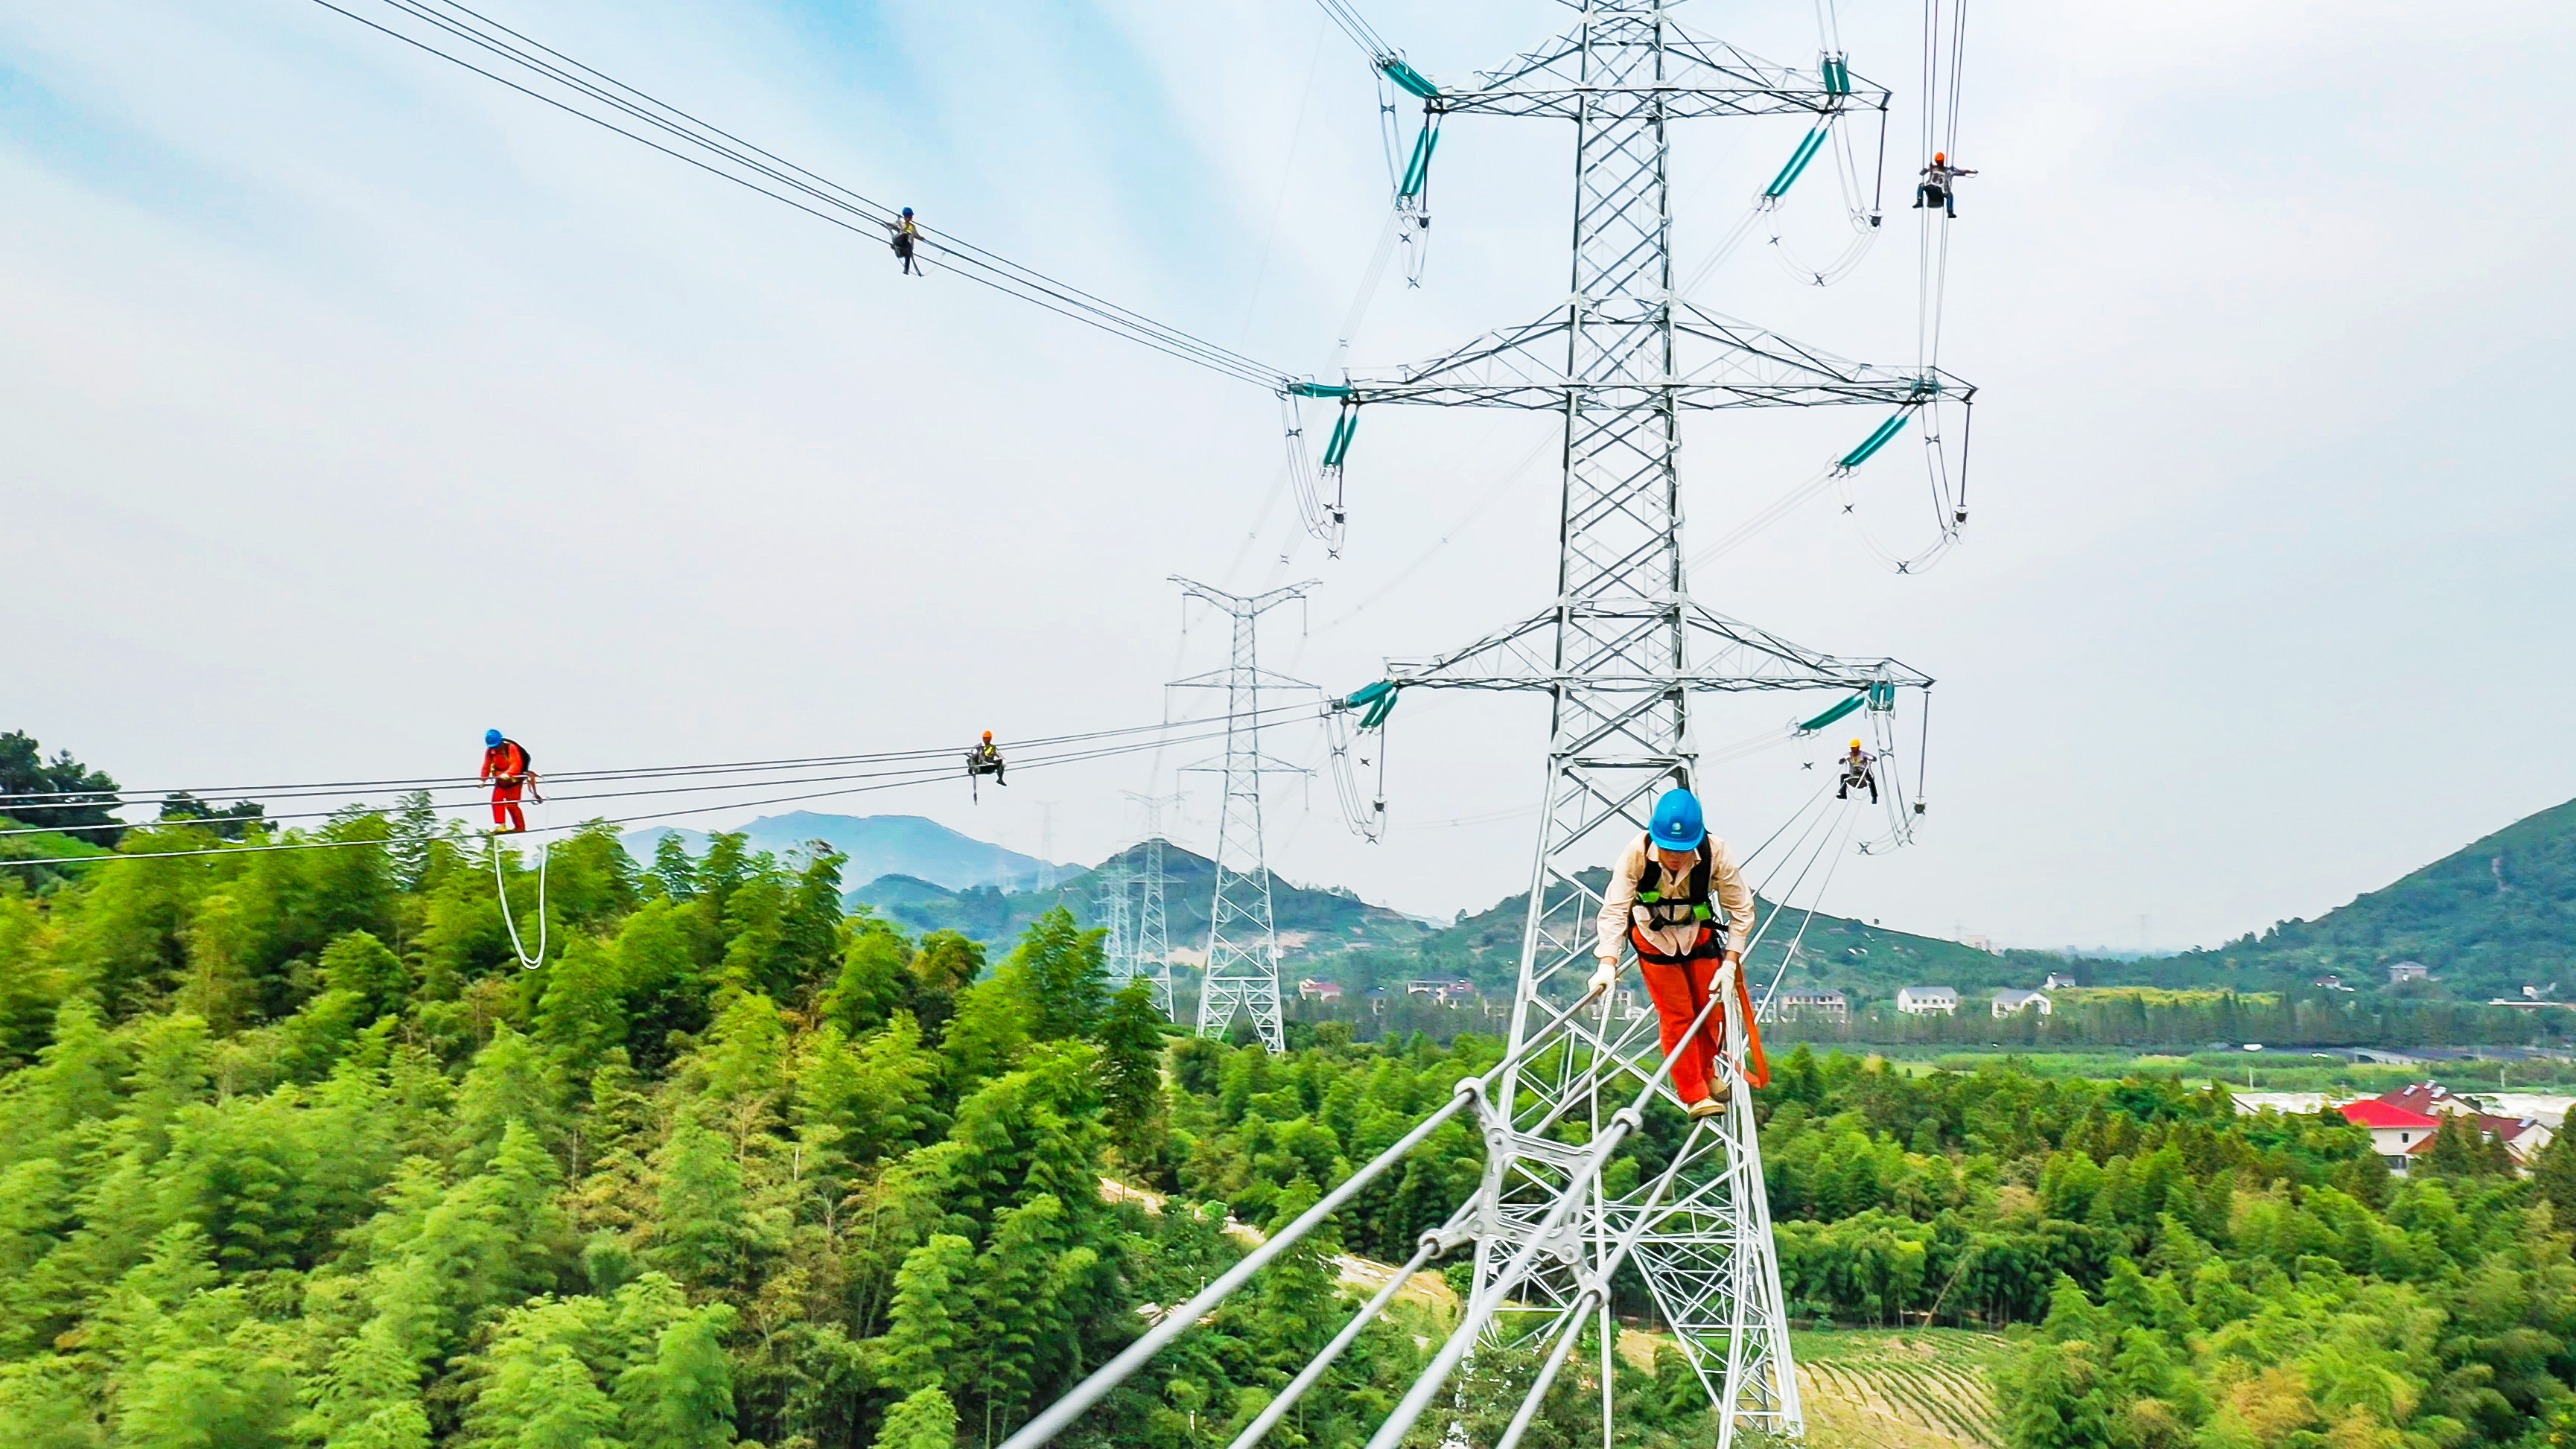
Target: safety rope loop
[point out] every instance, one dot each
(501, 885)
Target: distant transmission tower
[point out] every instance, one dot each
(1111, 896)
(1243, 943)
(1618, 650)
(1151, 943)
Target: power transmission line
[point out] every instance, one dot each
(888, 780)
(121, 795)
(601, 99)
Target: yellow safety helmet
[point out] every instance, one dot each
(1855, 744)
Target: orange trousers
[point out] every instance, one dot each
(505, 805)
(1679, 992)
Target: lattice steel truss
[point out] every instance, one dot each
(1112, 903)
(1619, 651)
(1152, 941)
(1243, 943)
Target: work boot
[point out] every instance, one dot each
(1709, 1106)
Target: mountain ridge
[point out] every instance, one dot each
(876, 845)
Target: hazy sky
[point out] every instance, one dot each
(350, 404)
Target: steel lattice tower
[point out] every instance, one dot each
(1151, 943)
(1243, 944)
(1110, 902)
(1618, 652)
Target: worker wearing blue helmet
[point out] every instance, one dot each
(1667, 894)
(506, 765)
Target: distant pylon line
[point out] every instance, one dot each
(1151, 943)
(1242, 976)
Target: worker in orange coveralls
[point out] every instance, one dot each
(505, 764)
(1666, 895)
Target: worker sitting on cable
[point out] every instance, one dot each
(1936, 191)
(986, 759)
(905, 234)
(505, 764)
(1856, 773)
(1665, 896)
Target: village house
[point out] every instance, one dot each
(2395, 1133)
(1811, 1005)
(1926, 1000)
(2011, 1001)
(2521, 1136)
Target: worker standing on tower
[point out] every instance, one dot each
(1936, 191)
(505, 764)
(1666, 893)
(1856, 772)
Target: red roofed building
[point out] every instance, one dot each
(2521, 1136)
(2430, 1098)
(2394, 1131)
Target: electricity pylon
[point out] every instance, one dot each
(1618, 651)
(1151, 943)
(1243, 943)
(1112, 885)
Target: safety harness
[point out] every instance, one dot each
(1663, 904)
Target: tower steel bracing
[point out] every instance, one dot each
(1618, 651)
(1151, 942)
(1112, 902)
(1242, 975)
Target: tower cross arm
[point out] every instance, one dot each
(1597, 650)
(1720, 363)
(1673, 74)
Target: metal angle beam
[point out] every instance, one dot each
(1737, 364)
(1622, 647)
(1620, 651)
(1242, 973)
(1696, 77)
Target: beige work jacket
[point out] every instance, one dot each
(1730, 897)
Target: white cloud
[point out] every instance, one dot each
(357, 404)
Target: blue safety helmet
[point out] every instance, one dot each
(1677, 824)
(907, 211)
(493, 737)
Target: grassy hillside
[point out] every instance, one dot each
(1314, 922)
(876, 845)
(2488, 918)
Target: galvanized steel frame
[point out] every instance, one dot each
(1242, 976)
(1619, 652)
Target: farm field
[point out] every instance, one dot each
(1900, 1389)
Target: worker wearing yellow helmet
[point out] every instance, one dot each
(1856, 772)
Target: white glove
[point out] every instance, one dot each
(1603, 978)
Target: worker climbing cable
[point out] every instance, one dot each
(1856, 773)
(986, 759)
(1664, 896)
(1937, 190)
(905, 235)
(505, 764)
